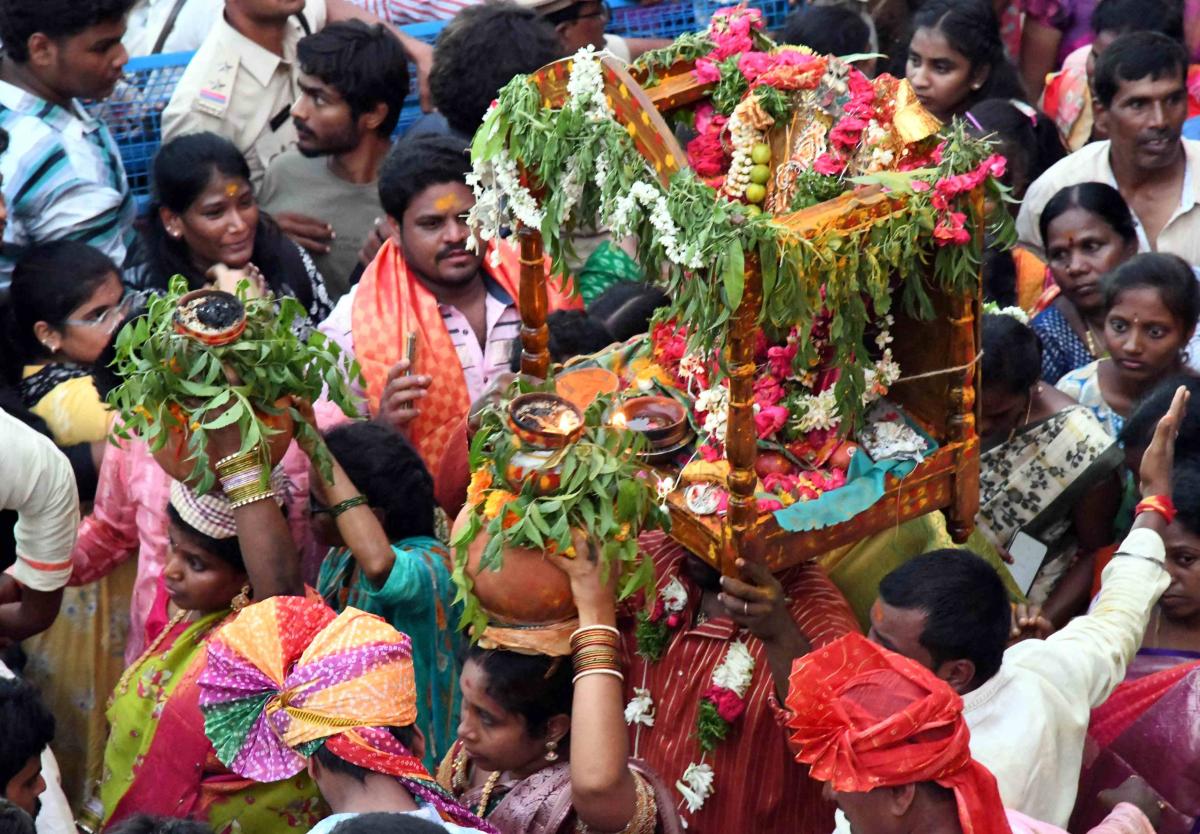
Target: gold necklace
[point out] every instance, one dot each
(1028, 410)
(486, 796)
(127, 675)
(1089, 336)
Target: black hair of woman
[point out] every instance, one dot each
(1012, 354)
(625, 308)
(1027, 138)
(535, 687)
(1097, 198)
(389, 472)
(183, 169)
(1139, 428)
(1169, 275)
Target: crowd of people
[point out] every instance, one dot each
(176, 662)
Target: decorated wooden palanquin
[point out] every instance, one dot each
(938, 356)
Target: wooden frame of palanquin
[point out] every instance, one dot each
(941, 354)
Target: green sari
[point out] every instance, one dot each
(158, 760)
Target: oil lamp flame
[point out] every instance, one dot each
(618, 419)
(567, 423)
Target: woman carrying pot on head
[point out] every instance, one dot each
(1151, 303)
(538, 754)
(956, 57)
(1048, 470)
(224, 549)
(206, 225)
(1089, 231)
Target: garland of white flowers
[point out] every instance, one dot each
(734, 673)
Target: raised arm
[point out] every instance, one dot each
(603, 789)
(420, 52)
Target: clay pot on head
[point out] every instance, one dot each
(526, 590)
(177, 462)
(211, 317)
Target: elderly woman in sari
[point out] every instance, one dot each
(1138, 730)
(538, 754)
(157, 760)
(1048, 469)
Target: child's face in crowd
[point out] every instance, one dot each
(1080, 248)
(87, 65)
(1145, 120)
(434, 235)
(24, 789)
(90, 325)
(324, 124)
(940, 75)
(1144, 337)
(1181, 600)
(219, 226)
(197, 580)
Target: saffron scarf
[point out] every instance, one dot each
(865, 718)
(391, 303)
(289, 675)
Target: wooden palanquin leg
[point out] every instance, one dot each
(741, 438)
(535, 335)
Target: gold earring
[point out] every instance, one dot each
(551, 751)
(242, 599)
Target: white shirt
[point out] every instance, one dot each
(36, 480)
(1028, 723)
(147, 18)
(1181, 234)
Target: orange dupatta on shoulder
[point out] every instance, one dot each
(389, 304)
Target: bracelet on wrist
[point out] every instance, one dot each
(250, 499)
(357, 501)
(1160, 504)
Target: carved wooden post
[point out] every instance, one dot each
(965, 344)
(535, 336)
(741, 439)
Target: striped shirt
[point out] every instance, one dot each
(754, 760)
(63, 178)
(403, 12)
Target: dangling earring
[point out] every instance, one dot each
(551, 751)
(242, 599)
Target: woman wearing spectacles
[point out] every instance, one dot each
(66, 302)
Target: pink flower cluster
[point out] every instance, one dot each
(803, 486)
(846, 135)
(660, 609)
(950, 229)
(706, 153)
(729, 705)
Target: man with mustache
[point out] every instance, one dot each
(323, 193)
(428, 289)
(62, 172)
(1141, 104)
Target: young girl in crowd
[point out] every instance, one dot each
(537, 754)
(205, 214)
(66, 303)
(956, 58)
(1151, 303)
(378, 518)
(1089, 231)
(1048, 469)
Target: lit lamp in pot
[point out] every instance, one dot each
(544, 423)
(662, 420)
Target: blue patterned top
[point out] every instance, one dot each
(1062, 349)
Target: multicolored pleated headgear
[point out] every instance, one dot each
(288, 675)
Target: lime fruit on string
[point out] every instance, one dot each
(760, 174)
(760, 154)
(755, 193)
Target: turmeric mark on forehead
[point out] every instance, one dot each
(445, 203)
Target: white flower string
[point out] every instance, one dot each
(736, 671)
(696, 785)
(640, 709)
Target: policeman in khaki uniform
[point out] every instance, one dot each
(240, 90)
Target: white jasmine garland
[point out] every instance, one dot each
(696, 785)
(736, 670)
(674, 596)
(820, 412)
(585, 87)
(714, 402)
(640, 709)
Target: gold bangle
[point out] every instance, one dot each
(252, 499)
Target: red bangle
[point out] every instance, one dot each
(1160, 504)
